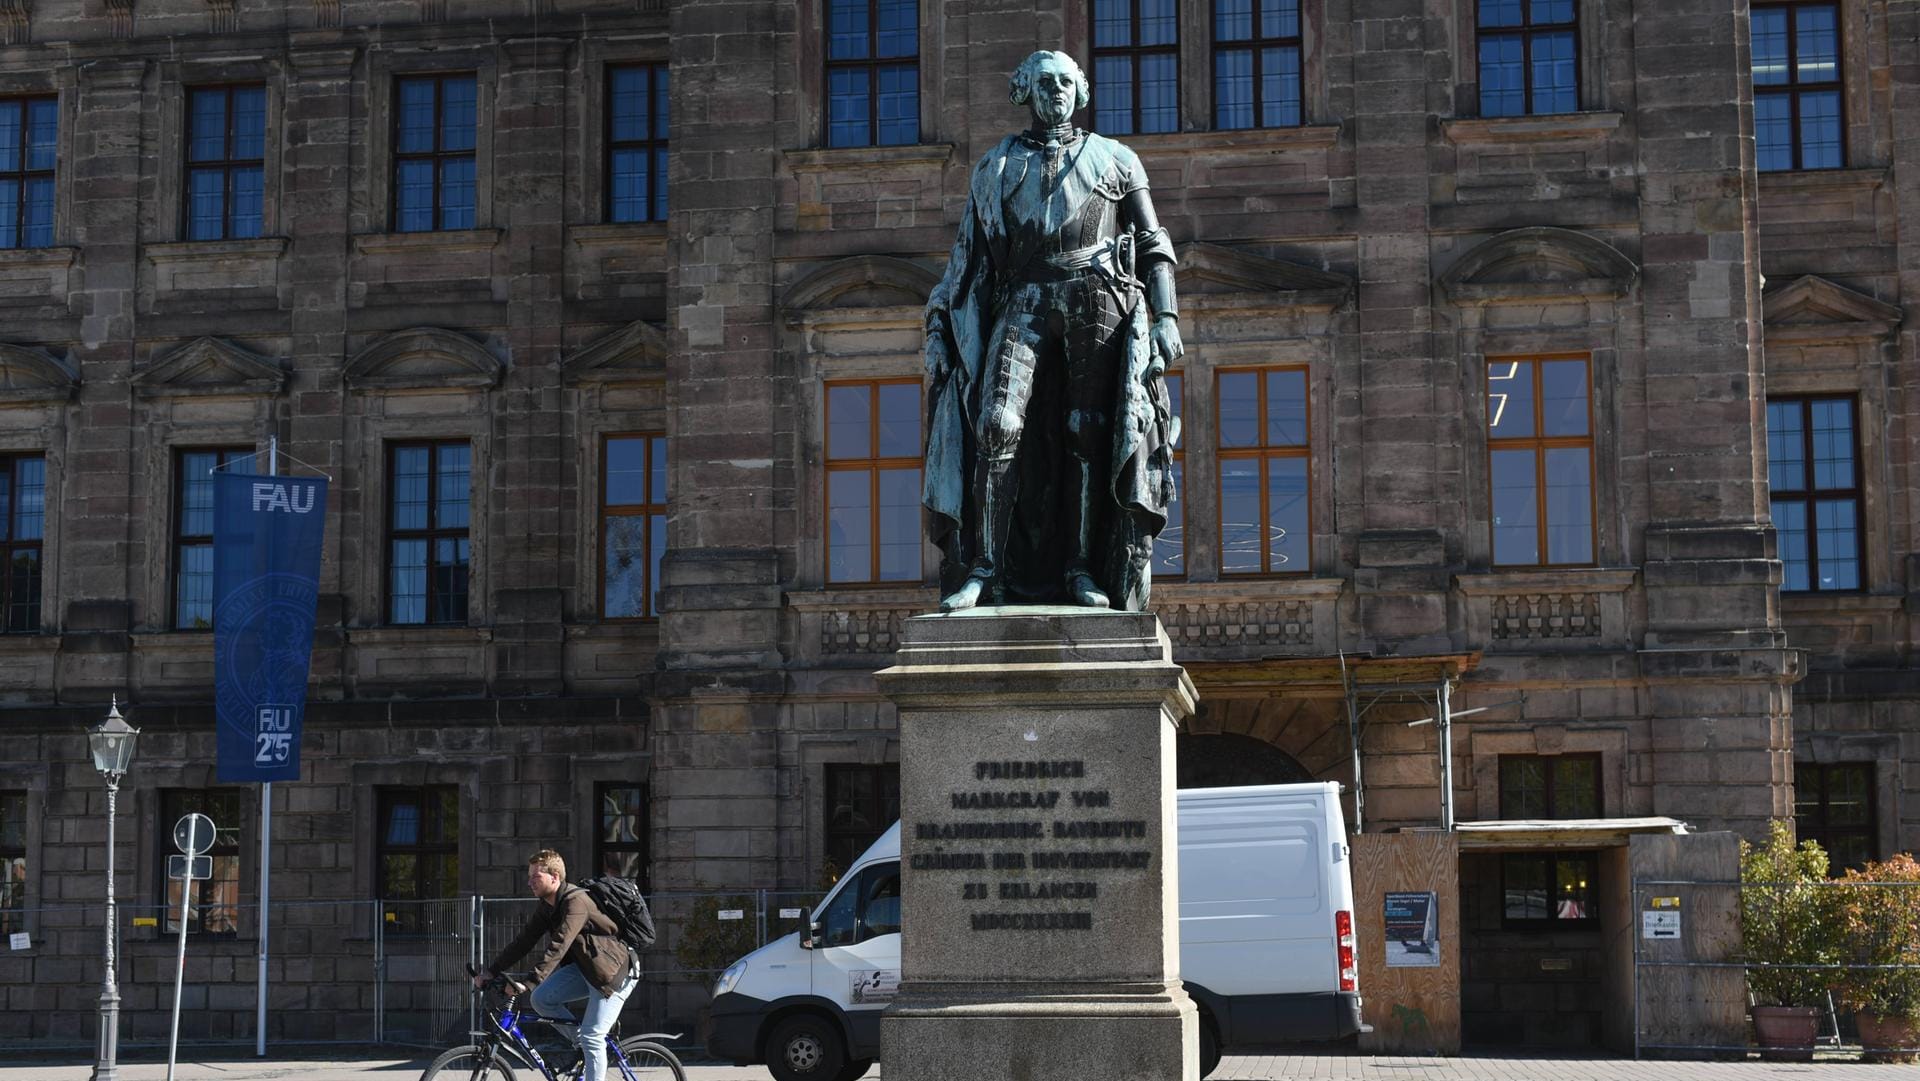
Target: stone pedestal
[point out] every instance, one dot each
(1040, 934)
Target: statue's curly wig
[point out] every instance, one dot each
(1020, 86)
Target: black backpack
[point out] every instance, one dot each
(620, 900)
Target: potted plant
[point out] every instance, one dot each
(1785, 919)
(1881, 926)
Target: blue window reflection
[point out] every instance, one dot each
(29, 136)
(873, 74)
(1528, 53)
(1799, 116)
(1259, 84)
(1814, 473)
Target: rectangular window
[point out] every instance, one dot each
(1257, 80)
(1136, 66)
(1812, 470)
(213, 905)
(873, 481)
(13, 862)
(23, 527)
(1170, 547)
(1540, 461)
(1549, 786)
(637, 143)
(429, 487)
(873, 72)
(620, 843)
(193, 533)
(1549, 891)
(1264, 459)
(1833, 804)
(29, 135)
(1798, 118)
(1529, 57)
(633, 525)
(226, 161)
(416, 854)
(860, 803)
(435, 118)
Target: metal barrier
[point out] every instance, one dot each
(1690, 975)
(347, 972)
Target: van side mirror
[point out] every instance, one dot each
(813, 932)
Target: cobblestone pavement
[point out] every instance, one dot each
(1232, 1068)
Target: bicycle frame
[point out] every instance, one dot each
(517, 1046)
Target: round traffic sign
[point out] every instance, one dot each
(193, 834)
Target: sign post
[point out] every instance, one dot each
(192, 835)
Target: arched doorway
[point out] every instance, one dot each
(1228, 759)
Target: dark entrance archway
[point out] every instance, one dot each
(1227, 759)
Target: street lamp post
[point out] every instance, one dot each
(112, 744)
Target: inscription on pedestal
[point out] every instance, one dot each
(1041, 846)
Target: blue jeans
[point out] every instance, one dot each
(567, 985)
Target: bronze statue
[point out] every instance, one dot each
(1050, 436)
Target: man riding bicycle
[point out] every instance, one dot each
(584, 959)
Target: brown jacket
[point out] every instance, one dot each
(577, 932)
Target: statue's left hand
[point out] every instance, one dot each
(1167, 347)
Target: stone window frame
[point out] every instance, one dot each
(1135, 52)
(166, 222)
(432, 533)
(1263, 452)
(588, 775)
(1548, 793)
(368, 777)
(1528, 31)
(1255, 45)
(656, 142)
(1793, 88)
(811, 78)
(385, 69)
(153, 841)
(1540, 443)
(647, 510)
(380, 847)
(163, 822)
(14, 918)
(1809, 496)
(1597, 733)
(587, 194)
(62, 85)
(1552, 861)
(1869, 773)
(1590, 63)
(24, 104)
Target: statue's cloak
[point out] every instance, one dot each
(964, 314)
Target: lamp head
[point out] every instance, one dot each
(112, 742)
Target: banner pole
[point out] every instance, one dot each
(266, 846)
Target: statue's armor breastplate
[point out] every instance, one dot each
(1030, 242)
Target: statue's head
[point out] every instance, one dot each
(1051, 83)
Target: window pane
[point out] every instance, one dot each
(413, 196)
(1233, 89)
(1832, 443)
(623, 814)
(847, 114)
(456, 193)
(1238, 410)
(847, 30)
(1232, 20)
(249, 122)
(1773, 131)
(1287, 409)
(629, 184)
(450, 580)
(416, 116)
(1169, 548)
(899, 420)
(660, 184)
(1569, 505)
(1159, 22)
(409, 496)
(899, 105)
(1113, 95)
(1240, 527)
(1849, 796)
(1547, 12)
(1553, 83)
(1516, 525)
(1770, 46)
(1573, 890)
(23, 591)
(1820, 130)
(1502, 76)
(30, 499)
(1839, 544)
(627, 101)
(407, 576)
(12, 135)
(1159, 92)
(1280, 18)
(1786, 447)
(849, 526)
(899, 28)
(9, 213)
(1576, 787)
(1112, 23)
(1817, 44)
(624, 550)
(42, 132)
(403, 822)
(193, 600)
(1790, 524)
(899, 525)
(849, 422)
(196, 493)
(248, 203)
(661, 80)
(13, 820)
(1280, 87)
(39, 230)
(1287, 533)
(656, 548)
(1500, 13)
(458, 101)
(626, 480)
(1523, 788)
(207, 125)
(1509, 399)
(453, 488)
(657, 479)
(1563, 397)
(1525, 887)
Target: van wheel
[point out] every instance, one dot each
(1209, 1046)
(806, 1048)
(855, 1070)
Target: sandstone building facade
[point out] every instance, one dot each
(1552, 352)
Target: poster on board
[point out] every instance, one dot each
(1413, 930)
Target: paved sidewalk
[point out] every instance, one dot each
(1232, 1068)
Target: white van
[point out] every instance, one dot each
(1266, 942)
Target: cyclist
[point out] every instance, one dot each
(584, 959)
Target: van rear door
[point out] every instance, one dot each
(1255, 915)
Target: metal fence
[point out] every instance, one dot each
(1696, 979)
(349, 972)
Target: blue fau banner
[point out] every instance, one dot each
(266, 583)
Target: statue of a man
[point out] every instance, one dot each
(1050, 435)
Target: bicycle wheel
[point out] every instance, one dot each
(469, 1063)
(648, 1061)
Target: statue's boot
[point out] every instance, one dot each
(965, 597)
(1080, 518)
(994, 488)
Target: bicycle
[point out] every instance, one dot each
(502, 1047)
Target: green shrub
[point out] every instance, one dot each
(1787, 918)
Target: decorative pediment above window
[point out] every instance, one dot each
(1813, 309)
(210, 367)
(33, 375)
(636, 352)
(1540, 263)
(863, 281)
(1212, 276)
(424, 358)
